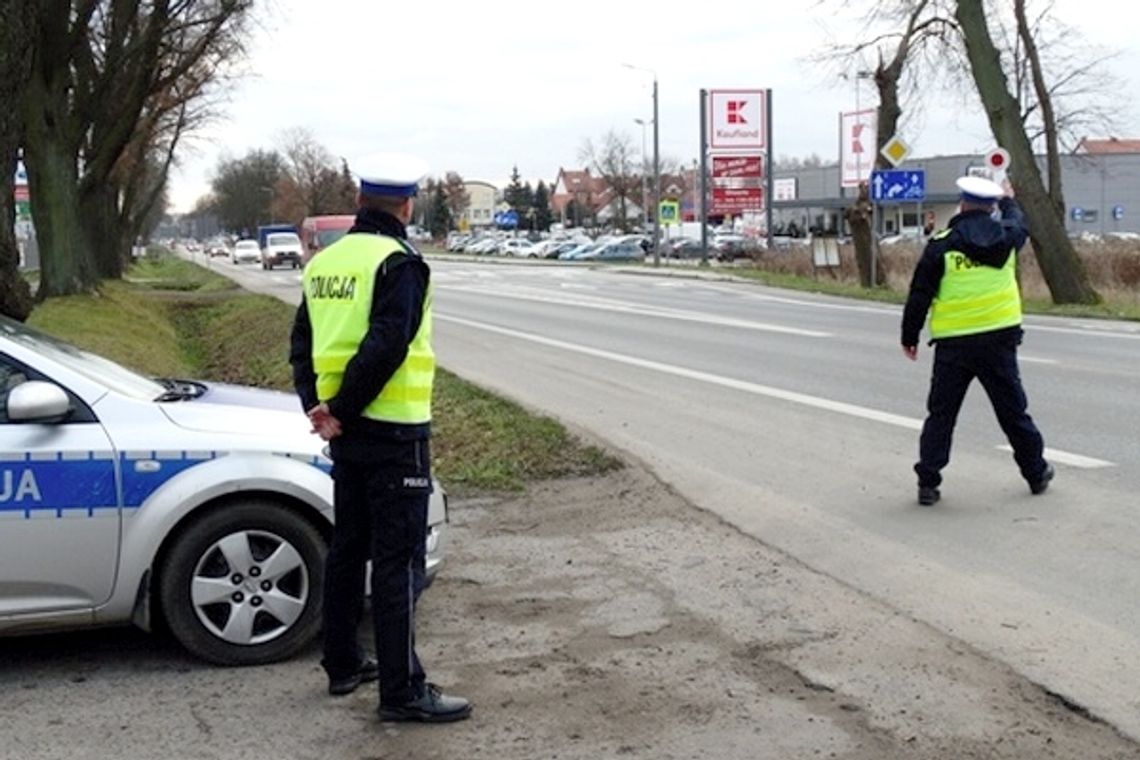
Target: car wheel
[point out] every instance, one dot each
(242, 585)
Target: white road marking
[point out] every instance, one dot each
(1035, 360)
(1065, 457)
(650, 311)
(852, 410)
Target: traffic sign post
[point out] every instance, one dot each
(897, 185)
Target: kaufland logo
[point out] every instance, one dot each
(737, 119)
(734, 111)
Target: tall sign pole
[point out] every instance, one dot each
(768, 196)
(656, 179)
(704, 177)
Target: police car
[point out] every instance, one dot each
(123, 498)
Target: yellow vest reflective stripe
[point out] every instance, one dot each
(338, 286)
(975, 298)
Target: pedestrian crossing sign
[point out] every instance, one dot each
(669, 212)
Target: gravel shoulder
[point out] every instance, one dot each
(587, 618)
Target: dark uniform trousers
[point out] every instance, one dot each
(956, 364)
(381, 514)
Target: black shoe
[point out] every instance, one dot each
(369, 670)
(927, 495)
(1041, 485)
(433, 707)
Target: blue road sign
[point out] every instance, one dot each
(507, 218)
(897, 185)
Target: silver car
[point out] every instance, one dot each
(123, 498)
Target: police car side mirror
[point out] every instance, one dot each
(38, 401)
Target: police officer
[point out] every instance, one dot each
(967, 278)
(363, 368)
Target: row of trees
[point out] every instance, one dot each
(98, 95)
(301, 178)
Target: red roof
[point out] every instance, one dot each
(1109, 146)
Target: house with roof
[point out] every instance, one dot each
(1111, 146)
(579, 197)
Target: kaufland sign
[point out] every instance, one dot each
(737, 120)
(857, 146)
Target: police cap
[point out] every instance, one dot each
(979, 190)
(392, 174)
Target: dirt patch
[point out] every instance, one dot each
(608, 618)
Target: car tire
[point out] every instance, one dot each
(229, 615)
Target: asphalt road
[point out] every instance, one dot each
(795, 417)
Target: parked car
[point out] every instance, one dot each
(518, 247)
(130, 499)
(616, 251)
(244, 251)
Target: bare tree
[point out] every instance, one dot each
(902, 35)
(311, 182)
(1060, 265)
(454, 190)
(616, 162)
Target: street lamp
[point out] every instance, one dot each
(656, 168)
(644, 176)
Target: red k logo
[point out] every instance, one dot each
(856, 136)
(735, 110)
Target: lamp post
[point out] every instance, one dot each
(644, 176)
(656, 168)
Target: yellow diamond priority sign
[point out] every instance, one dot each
(895, 150)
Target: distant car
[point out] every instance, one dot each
(128, 499)
(217, 248)
(245, 250)
(281, 248)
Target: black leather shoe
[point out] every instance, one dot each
(433, 707)
(928, 495)
(369, 671)
(1041, 485)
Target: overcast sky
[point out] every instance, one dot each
(479, 87)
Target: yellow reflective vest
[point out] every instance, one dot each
(974, 298)
(338, 286)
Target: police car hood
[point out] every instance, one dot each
(240, 409)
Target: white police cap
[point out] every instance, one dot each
(979, 190)
(394, 174)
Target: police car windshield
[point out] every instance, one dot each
(103, 371)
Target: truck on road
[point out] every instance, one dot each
(280, 244)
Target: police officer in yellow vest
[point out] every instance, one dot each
(363, 369)
(967, 279)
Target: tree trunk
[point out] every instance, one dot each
(51, 151)
(1065, 275)
(105, 233)
(859, 219)
(15, 69)
(66, 264)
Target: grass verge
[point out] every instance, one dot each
(171, 318)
